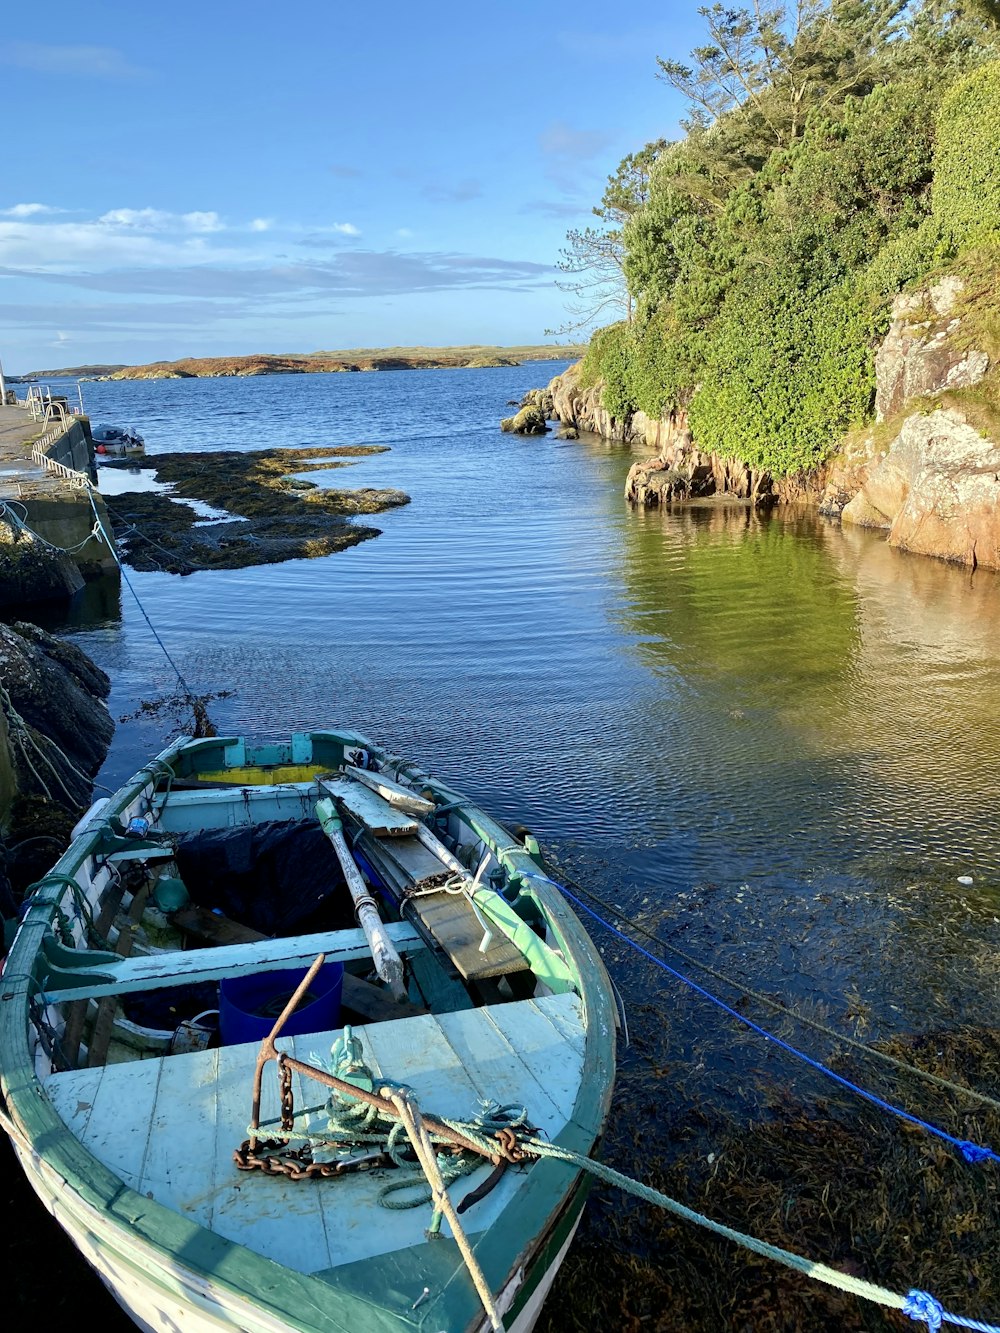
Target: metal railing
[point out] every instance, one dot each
(39, 456)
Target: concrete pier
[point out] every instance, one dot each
(46, 503)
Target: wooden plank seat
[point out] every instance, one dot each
(104, 974)
(363, 998)
(369, 808)
(446, 920)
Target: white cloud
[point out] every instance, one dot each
(262, 224)
(141, 219)
(346, 229)
(404, 232)
(157, 219)
(28, 210)
(202, 222)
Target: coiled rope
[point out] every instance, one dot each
(353, 1122)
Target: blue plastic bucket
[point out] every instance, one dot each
(249, 1006)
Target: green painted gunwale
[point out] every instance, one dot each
(149, 1239)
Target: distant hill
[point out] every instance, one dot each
(356, 359)
(72, 373)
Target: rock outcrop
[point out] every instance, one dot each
(936, 491)
(919, 355)
(928, 475)
(678, 470)
(935, 487)
(535, 410)
(57, 723)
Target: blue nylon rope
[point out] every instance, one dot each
(922, 1307)
(972, 1152)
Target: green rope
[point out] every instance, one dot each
(353, 1123)
(870, 1291)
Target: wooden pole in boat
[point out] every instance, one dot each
(388, 963)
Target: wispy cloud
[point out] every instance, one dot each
(556, 208)
(459, 193)
(345, 172)
(86, 61)
(561, 141)
(349, 273)
(29, 210)
(148, 269)
(156, 220)
(569, 155)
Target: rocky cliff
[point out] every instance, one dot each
(678, 470)
(927, 473)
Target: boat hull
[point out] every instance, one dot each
(156, 1297)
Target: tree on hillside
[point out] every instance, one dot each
(593, 260)
(768, 67)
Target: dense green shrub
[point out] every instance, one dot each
(967, 159)
(785, 374)
(608, 358)
(762, 263)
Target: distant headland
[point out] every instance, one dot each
(359, 358)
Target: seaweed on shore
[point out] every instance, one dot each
(271, 515)
(853, 1188)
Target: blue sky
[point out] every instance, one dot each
(211, 179)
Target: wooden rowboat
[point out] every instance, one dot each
(240, 1108)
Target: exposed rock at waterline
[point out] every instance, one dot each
(936, 491)
(529, 421)
(677, 471)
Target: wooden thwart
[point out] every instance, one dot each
(362, 998)
(184, 967)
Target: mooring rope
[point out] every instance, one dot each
(842, 1038)
(353, 1122)
(972, 1152)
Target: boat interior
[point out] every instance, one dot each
(190, 908)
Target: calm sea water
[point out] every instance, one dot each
(773, 741)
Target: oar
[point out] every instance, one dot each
(388, 963)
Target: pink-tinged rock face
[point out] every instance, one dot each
(937, 490)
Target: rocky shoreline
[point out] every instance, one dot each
(927, 472)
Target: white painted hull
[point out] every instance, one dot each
(155, 1295)
(185, 1301)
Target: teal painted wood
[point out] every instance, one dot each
(169, 1127)
(146, 972)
